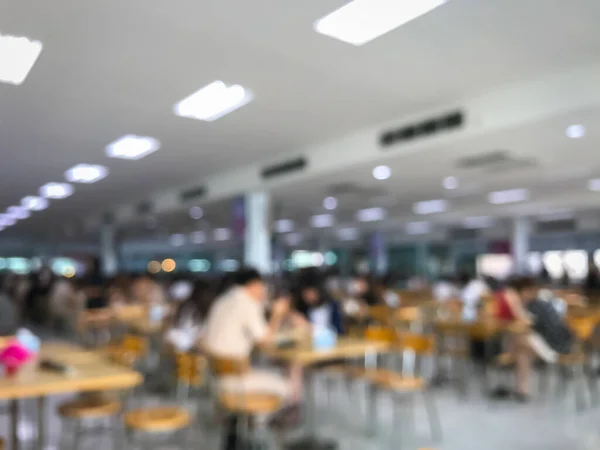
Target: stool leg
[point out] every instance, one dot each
(433, 416)
(78, 431)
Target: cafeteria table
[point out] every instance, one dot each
(89, 371)
(306, 356)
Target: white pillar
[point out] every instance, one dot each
(257, 242)
(109, 259)
(520, 244)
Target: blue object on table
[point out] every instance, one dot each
(28, 340)
(156, 313)
(324, 338)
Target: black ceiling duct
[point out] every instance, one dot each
(425, 128)
(284, 168)
(194, 193)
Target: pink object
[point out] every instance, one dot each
(13, 356)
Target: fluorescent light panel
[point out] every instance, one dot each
(198, 237)
(132, 147)
(450, 183)
(17, 57)
(594, 185)
(430, 206)
(508, 196)
(17, 212)
(56, 190)
(322, 221)
(348, 234)
(196, 212)
(575, 131)
(330, 203)
(293, 238)
(415, 228)
(177, 240)
(284, 226)
(86, 173)
(6, 220)
(382, 173)
(221, 234)
(371, 214)
(33, 203)
(478, 222)
(361, 21)
(213, 101)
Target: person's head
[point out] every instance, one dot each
(463, 279)
(525, 287)
(199, 301)
(250, 280)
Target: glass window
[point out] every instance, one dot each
(576, 264)
(535, 263)
(553, 262)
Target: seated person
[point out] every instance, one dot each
(473, 289)
(548, 338)
(190, 316)
(445, 290)
(236, 324)
(313, 306)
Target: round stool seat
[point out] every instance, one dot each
(89, 407)
(250, 404)
(161, 419)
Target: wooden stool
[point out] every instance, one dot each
(89, 408)
(190, 372)
(158, 420)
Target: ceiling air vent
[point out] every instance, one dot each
(194, 193)
(353, 189)
(425, 128)
(484, 160)
(284, 168)
(557, 226)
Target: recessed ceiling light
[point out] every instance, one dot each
(196, 212)
(34, 203)
(450, 183)
(414, 228)
(6, 220)
(430, 206)
(330, 203)
(132, 147)
(382, 172)
(371, 214)
(177, 240)
(17, 212)
(361, 21)
(348, 234)
(594, 185)
(284, 226)
(213, 101)
(198, 237)
(575, 131)
(478, 222)
(86, 173)
(221, 234)
(17, 57)
(508, 196)
(322, 221)
(56, 190)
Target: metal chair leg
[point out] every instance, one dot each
(433, 416)
(77, 434)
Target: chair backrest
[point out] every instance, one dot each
(582, 327)
(380, 334)
(223, 366)
(190, 367)
(134, 343)
(381, 314)
(408, 314)
(421, 344)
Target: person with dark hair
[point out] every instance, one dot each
(236, 324)
(550, 336)
(190, 316)
(94, 286)
(313, 306)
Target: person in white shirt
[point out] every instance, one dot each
(445, 289)
(472, 291)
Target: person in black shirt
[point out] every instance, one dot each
(93, 286)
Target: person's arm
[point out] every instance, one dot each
(264, 332)
(516, 306)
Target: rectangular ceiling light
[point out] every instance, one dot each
(221, 234)
(348, 234)
(414, 228)
(284, 226)
(86, 173)
(33, 203)
(478, 222)
(213, 101)
(322, 221)
(6, 220)
(56, 190)
(361, 21)
(430, 207)
(508, 196)
(17, 57)
(371, 214)
(132, 147)
(17, 212)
